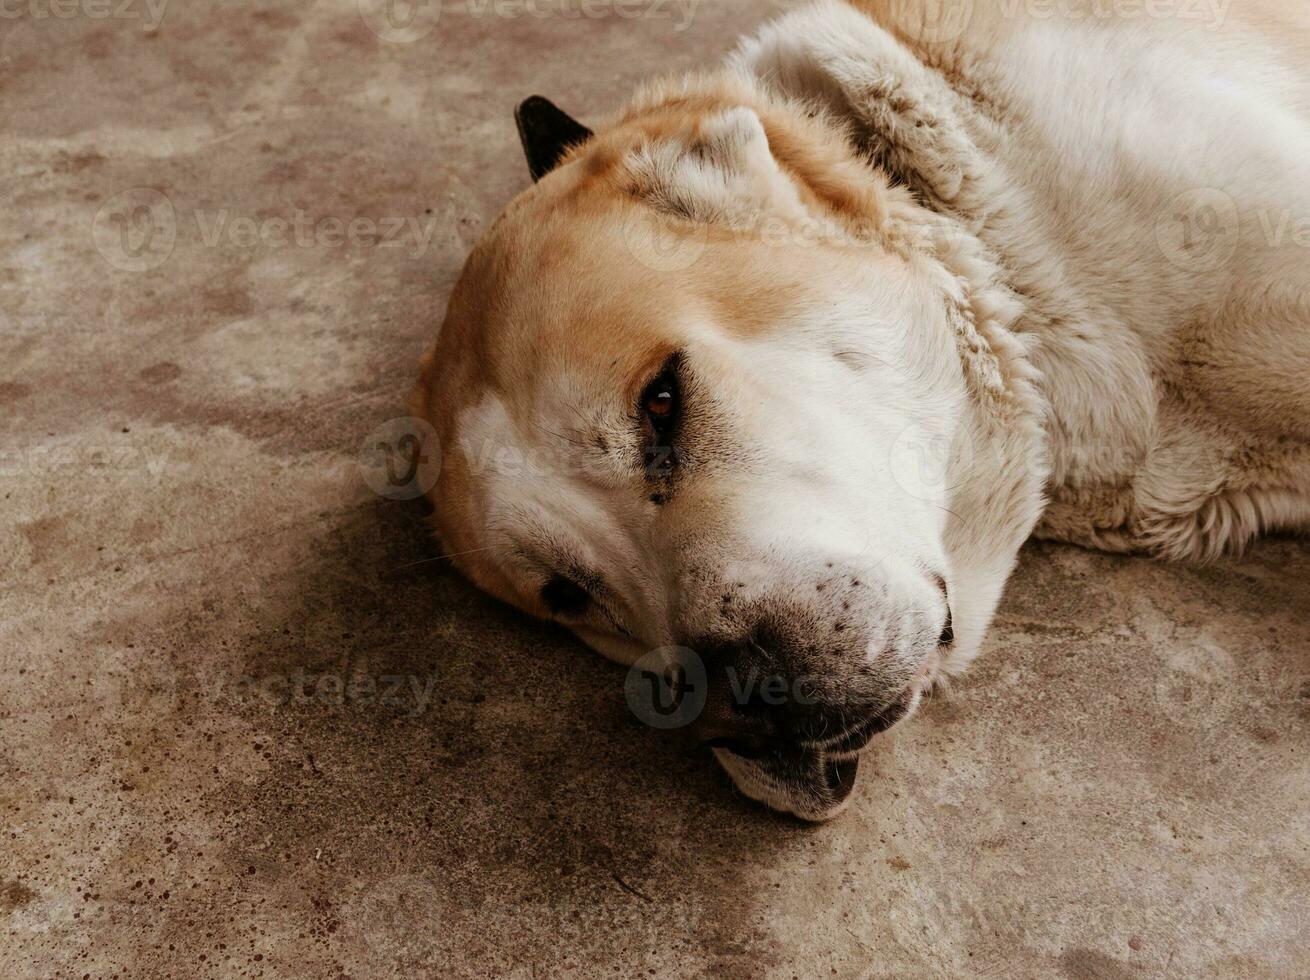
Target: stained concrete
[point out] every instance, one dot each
(198, 583)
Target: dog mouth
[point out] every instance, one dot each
(857, 738)
(811, 780)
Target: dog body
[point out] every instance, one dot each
(785, 362)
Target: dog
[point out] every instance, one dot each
(784, 362)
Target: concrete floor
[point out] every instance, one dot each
(199, 588)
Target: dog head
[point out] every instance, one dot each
(695, 391)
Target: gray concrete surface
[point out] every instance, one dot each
(196, 779)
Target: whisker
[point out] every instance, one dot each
(457, 554)
(560, 435)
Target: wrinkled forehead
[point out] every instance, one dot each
(552, 290)
(578, 310)
(551, 326)
(590, 296)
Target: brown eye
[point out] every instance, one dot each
(660, 403)
(660, 409)
(659, 400)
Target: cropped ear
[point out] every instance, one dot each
(546, 132)
(724, 171)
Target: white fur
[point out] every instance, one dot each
(1063, 147)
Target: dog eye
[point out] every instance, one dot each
(659, 400)
(565, 598)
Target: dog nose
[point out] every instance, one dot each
(753, 707)
(737, 719)
(750, 706)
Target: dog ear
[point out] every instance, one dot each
(546, 132)
(723, 171)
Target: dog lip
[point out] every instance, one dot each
(844, 745)
(808, 785)
(840, 774)
(860, 735)
(810, 781)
